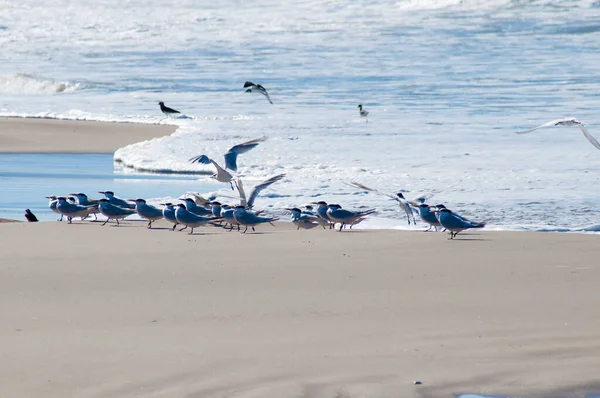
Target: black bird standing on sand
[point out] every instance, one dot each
(30, 216)
(166, 110)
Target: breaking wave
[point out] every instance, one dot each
(26, 84)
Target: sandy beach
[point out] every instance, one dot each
(92, 311)
(31, 135)
(104, 311)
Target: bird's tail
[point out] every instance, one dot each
(367, 212)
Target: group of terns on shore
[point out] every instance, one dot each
(197, 211)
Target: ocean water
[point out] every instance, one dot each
(446, 82)
(40, 175)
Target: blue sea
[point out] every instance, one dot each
(447, 83)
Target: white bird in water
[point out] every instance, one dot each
(363, 113)
(257, 88)
(566, 122)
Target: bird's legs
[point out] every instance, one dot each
(174, 225)
(105, 221)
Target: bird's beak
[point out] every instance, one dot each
(101, 192)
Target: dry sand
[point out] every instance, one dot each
(92, 311)
(30, 135)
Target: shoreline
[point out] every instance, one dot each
(47, 135)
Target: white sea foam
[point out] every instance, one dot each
(25, 84)
(447, 84)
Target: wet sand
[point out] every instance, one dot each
(31, 135)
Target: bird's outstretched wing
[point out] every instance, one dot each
(199, 199)
(264, 92)
(366, 188)
(589, 136)
(200, 159)
(234, 151)
(418, 200)
(257, 189)
(541, 126)
(249, 84)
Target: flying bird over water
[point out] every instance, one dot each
(221, 175)
(234, 151)
(166, 110)
(363, 113)
(230, 157)
(566, 122)
(257, 88)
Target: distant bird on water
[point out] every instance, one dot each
(566, 122)
(30, 216)
(257, 88)
(362, 112)
(166, 110)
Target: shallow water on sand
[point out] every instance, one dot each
(40, 175)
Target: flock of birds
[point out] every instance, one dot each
(198, 211)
